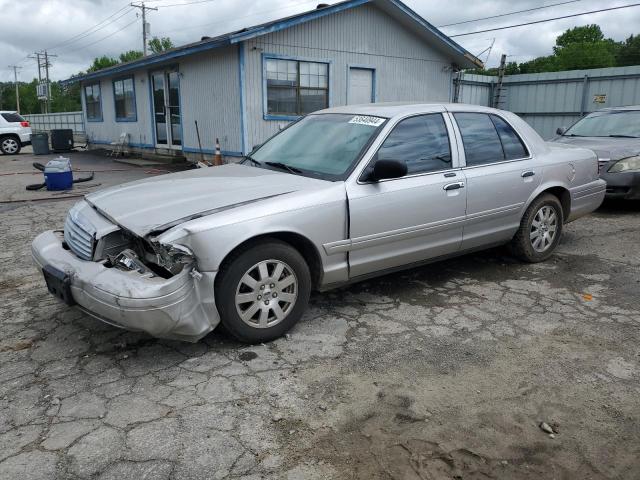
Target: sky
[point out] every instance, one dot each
(72, 29)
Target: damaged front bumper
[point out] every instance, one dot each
(181, 307)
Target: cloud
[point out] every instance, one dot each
(38, 24)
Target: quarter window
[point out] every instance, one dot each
(93, 102)
(422, 142)
(488, 139)
(511, 143)
(296, 87)
(125, 99)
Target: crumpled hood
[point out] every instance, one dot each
(605, 147)
(155, 203)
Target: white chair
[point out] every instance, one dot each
(120, 146)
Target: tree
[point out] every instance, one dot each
(585, 47)
(102, 62)
(158, 45)
(130, 56)
(629, 53)
(579, 35)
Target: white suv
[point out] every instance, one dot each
(15, 132)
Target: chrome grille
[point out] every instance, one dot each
(79, 236)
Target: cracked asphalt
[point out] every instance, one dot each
(435, 373)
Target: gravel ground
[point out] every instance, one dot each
(435, 373)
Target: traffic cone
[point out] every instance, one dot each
(217, 159)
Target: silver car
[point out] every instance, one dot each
(339, 196)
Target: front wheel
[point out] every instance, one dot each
(10, 145)
(262, 291)
(540, 230)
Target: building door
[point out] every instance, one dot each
(361, 86)
(167, 119)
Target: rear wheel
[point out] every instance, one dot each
(10, 145)
(262, 291)
(540, 230)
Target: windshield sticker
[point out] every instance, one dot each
(367, 120)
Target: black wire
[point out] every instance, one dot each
(546, 20)
(507, 14)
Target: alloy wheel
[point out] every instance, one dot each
(10, 145)
(266, 294)
(543, 229)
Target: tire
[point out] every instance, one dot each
(272, 277)
(10, 145)
(533, 243)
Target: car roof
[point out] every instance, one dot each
(394, 109)
(619, 109)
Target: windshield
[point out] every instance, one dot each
(325, 145)
(606, 124)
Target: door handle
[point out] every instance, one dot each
(449, 175)
(528, 173)
(454, 186)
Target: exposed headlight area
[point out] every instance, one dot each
(629, 164)
(128, 252)
(123, 250)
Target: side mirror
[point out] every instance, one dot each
(561, 130)
(386, 169)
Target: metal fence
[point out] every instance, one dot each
(550, 100)
(45, 122)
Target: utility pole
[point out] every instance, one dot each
(44, 87)
(145, 25)
(15, 78)
(46, 69)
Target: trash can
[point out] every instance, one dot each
(58, 174)
(40, 143)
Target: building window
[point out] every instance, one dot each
(125, 99)
(93, 102)
(295, 87)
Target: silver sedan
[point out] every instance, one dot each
(339, 196)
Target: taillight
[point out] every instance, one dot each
(24, 124)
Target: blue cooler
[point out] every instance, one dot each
(58, 174)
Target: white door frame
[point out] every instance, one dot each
(169, 133)
(374, 90)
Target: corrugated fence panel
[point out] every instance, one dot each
(45, 122)
(550, 100)
(406, 68)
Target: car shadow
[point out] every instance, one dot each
(619, 206)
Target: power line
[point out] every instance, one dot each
(186, 3)
(510, 13)
(90, 31)
(226, 22)
(103, 38)
(546, 20)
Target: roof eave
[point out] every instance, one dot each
(148, 61)
(465, 58)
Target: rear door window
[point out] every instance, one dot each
(480, 138)
(488, 139)
(12, 117)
